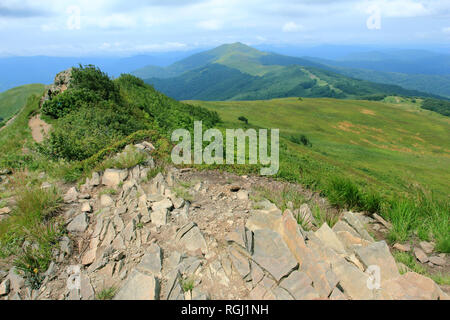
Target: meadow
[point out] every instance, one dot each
(390, 157)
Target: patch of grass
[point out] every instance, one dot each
(129, 158)
(343, 193)
(403, 216)
(183, 193)
(106, 294)
(280, 198)
(154, 172)
(2, 204)
(34, 220)
(108, 191)
(410, 261)
(441, 279)
(188, 284)
(323, 216)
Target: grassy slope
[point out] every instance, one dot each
(13, 100)
(390, 145)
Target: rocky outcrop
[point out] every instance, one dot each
(60, 84)
(149, 243)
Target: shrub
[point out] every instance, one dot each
(70, 100)
(243, 119)
(91, 78)
(300, 139)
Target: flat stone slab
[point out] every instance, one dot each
(272, 254)
(79, 223)
(329, 238)
(299, 285)
(139, 286)
(191, 238)
(378, 254)
(152, 261)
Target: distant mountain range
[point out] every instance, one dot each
(17, 71)
(239, 72)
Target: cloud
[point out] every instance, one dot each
(20, 12)
(210, 25)
(292, 27)
(446, 30)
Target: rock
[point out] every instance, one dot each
(139, 286)
(420, 255)
(337, 295)
(402, 247)
(16, 282)
(329, 238)
(378, 254)
(89, 257)
(353, 281)
(438, 261)
(263, 220)
(159, 217)
(66, 246)
(5, 210)
(113, 177)
(427, 247)
(238, 236)
(161, 205)
(299, 285)
(242, 195)
(71, 195)
(86, 290)
(79, 223)
(355, 222)
(272, 254)
(5, 287)
(178, 203)
(342, 226)
(190, 237)
(106, 201)
(175, 292)
(95, 180)
(413, 286)
(86, 207)
(151, 262)
(240, 262)
(305, 214)
(350, 241)
(386, 224)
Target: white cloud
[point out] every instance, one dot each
(397, 8)
(292, 27)
(210, 25)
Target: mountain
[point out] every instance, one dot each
(239, 72)
(17, 71)
(13, 100)
(412, 69)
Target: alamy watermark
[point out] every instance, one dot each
(235, 154)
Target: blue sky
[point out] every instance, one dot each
(113, 27)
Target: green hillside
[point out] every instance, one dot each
(389, 145)
(13, 100)
(390, 157)
(239, 72)
(434, 84)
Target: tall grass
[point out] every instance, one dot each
(34, 221)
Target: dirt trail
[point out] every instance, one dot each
(39, 128)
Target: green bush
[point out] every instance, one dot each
(68, 101)
(92, 78)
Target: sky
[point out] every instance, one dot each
(132, 27)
